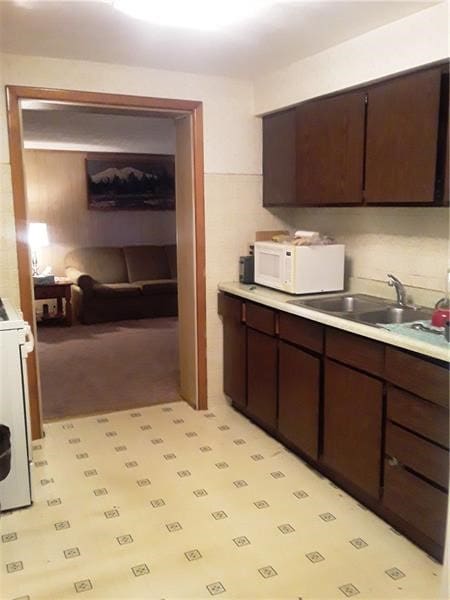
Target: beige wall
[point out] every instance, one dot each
(57, 195)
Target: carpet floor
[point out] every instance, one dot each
(89, 369)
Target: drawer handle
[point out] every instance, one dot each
(393, 462)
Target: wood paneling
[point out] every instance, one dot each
(402, 135)
(279, 165)
(426, 418)
(298, 398)
(418, 375)
(262, 377)
(353, 406)
(355, 350)
(301, 332)
(57, 195)
(330, 150)
(415, 501)
(421, 456)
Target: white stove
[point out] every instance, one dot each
(16, 342)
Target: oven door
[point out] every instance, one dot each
(15, 489)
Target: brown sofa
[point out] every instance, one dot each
(132, 282)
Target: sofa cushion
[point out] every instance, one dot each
(104, 264)
(157, 286)
(146, 263)
(122, 290)
(171, 253)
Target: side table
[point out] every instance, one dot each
(59, 291)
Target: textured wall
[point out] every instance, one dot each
(412, 243)
(57, 195)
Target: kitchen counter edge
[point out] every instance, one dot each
(279, 301)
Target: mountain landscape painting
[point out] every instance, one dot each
(131, 182)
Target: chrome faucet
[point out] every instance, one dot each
(399, 289)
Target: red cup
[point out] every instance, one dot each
(440, 317)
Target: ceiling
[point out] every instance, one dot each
(93, 30)
(96, 129)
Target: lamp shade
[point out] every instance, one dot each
(38, 235)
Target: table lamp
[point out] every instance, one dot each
(37, 238)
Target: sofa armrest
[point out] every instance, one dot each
(83, 280)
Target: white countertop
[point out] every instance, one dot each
(279, 301)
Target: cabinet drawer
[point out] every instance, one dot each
(260, 318)
(422, 456)
(301, 332)
(230, 307)
(418, 375)
(423, 417)
(415, 501)
(355, 351)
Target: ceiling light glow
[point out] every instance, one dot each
(207, 15)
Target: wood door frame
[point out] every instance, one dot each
(14, 95)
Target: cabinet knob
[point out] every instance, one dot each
(393, 462)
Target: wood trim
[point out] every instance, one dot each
(23, 254)
(200, 262)
(102, 99)
(17, 93)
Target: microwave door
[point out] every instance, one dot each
(270, 267)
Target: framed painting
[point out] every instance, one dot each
(130, 181)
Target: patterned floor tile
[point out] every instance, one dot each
(241, 517)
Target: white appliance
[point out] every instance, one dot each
(300, 269)
(16, 341)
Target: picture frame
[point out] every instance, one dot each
(117, 181)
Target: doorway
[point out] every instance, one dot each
(190, 227)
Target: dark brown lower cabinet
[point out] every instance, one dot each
(234, 350)
(262, 377)
(298, 398)
(321, 391)
(353, 410)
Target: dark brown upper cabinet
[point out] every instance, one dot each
(381, 144)
(402, 139)
(279, 159)
(330, 150)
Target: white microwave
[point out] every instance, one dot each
(300, 269)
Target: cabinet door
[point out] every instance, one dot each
(298, 398)
(402, 136)
(330, 150)
(234, 350)
(352, 426)
(262, 377)
(279, 159)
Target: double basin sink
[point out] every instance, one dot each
(369, 310)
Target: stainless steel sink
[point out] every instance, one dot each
(366, 309)
(343, 304)
(395, 314)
